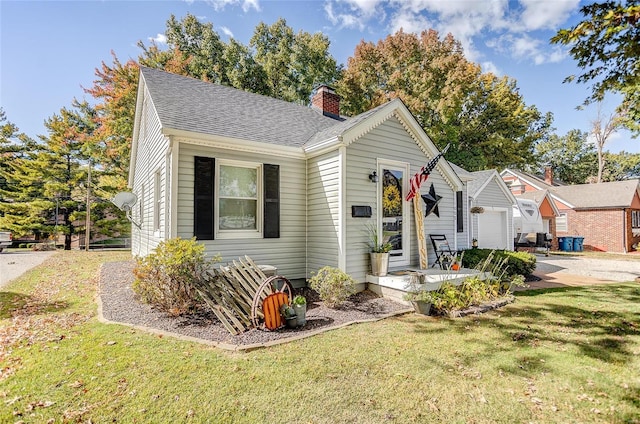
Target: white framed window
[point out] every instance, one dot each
(239, 199)
(562, 223)
(635, 219)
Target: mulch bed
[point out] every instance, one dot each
(119, 304)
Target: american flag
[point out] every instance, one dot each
(420, 177)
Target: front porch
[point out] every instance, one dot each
(394, 285)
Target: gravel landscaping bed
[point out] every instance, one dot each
(120, 305)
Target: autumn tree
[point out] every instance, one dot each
(483, 117)
(114, 91)
(571, 156)
(606, 45)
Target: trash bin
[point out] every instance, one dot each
(577, 243)
(565, 244)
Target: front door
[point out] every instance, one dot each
(393, 210)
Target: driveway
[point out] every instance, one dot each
(15, 263)
(559, 271)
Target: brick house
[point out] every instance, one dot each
(607, 215)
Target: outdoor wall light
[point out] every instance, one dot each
(373, 177)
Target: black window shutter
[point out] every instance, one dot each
(204, 198)
(271, 201)
(459, 211)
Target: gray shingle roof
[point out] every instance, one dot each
(188, 104)
(479, 179)
(618, 194)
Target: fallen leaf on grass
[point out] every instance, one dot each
(12, 401)
(76, 384)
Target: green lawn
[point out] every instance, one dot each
(563, 355)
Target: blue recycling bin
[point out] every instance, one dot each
(565, 244)
(577, 243)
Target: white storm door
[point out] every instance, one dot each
(393, 210)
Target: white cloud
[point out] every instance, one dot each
(491, 67)
(246, 4)
(546, 14)
(409, 22)
(471, 22)
(343, 20)
(226, 31)
(367, 8)
(159, 39)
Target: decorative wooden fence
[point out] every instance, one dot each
(235, 293)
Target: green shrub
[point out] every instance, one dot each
(333, 285)
(493, 283)
(165, 277)
(517, 263)
(22, 245)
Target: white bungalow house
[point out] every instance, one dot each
(291, 186)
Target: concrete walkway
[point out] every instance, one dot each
(14, 263)
(568, 271)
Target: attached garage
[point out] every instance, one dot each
(492, 230)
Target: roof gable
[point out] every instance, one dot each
(527, 178)
(481, 179)
(543, 199)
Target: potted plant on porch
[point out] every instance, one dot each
(379, 253)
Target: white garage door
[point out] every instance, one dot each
(492, 230)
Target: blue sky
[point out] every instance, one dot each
(49, 50)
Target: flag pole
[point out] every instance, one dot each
(422, 240)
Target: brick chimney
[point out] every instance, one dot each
(325, 99)
(548, 175)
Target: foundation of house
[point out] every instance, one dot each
(396, 283)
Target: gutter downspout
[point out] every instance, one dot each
(624, 230)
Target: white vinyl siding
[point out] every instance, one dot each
(390, 142)
(150, 160)
(157, 204)
(323, 213)
(287, 253)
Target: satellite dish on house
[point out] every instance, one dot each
(125, 201)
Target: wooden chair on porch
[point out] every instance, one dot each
(442, 250)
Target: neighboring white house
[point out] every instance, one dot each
(291, 186)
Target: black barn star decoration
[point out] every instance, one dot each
(431, 200)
